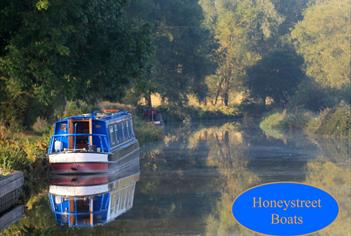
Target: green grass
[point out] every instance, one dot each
(335, 122)
(146, 132)
(278, 123)
(190, 113)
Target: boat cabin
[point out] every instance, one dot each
(95, 132)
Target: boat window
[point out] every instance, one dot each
(130, 127)
(127, 128)
(63, 127)
(123, 131)
(120, 134)
(116, 133)
(112, 135)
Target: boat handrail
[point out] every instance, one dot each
(58, 137)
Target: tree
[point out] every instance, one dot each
(65, 50)
(291, 11)
(181, 48)
(277, 76)
(323, 38)
(244, 31)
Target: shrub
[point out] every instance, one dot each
(296, 120)
(19, 151)
(311, 96)
(146, 132)
(275, 124)
(332, 121)
(76, 108)
(41, 126)
(12, 157)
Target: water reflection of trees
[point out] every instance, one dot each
(191, 180)
(227, 152)
(331, 171)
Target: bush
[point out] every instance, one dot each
(19, 151)
(146, 132)
(332, 121)
(311, 96)
(76, 108)
(12, 157)
(41, 125)
(275, 124)
(296, 120)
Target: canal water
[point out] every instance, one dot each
(186, 183)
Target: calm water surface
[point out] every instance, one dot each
(188, 182)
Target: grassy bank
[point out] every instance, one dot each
(146, 132)
(334, 122)
(25, 150)
(173, 113)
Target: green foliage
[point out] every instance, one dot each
(53, 51)
(296, 120)
(310, 95)
(41, 126)
(181, 47)
(332, 121)
(291, 11)
(243, 30)
(19, 151)
(277, 76)
(276, 124)
(323, 39)
(146, 132)
(74, 108)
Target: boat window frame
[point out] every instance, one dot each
(111, 134)
(123, 131)
(130, 121)
(127, 129)
(115, 127)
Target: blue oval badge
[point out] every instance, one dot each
(285, 208)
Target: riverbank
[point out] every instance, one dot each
(334, 122)
(25, 149)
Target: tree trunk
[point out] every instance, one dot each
(226, 92)
(226, 98)
(219, 88)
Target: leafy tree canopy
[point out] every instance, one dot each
(277, 76)
(323, 38)
(56, 50)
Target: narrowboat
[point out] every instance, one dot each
(91, 143)
(91, 200)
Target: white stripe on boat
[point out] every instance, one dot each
(77, 157)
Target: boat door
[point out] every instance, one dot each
(81, 131)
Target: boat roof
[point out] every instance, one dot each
(105, 116)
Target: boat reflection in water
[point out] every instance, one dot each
(90, 200)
